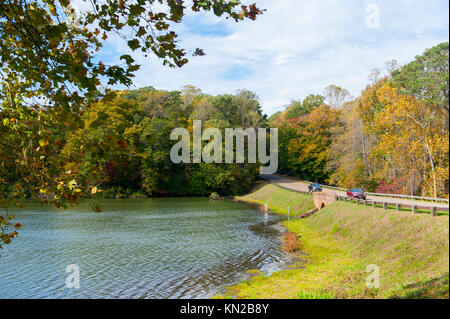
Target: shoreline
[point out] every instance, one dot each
(342, 240)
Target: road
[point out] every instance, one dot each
(296, 184)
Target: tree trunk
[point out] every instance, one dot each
(433, 171)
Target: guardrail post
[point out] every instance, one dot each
(414, 209)
(365, 202)
(384, 205)
(397, 206)
(373, 203)
(433, 211)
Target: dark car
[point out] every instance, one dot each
(356, 193)
(314, 187)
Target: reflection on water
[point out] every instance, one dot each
(140, 248)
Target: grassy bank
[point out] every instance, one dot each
(278, 200)
(341, 240)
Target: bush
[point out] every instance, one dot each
(290, 242)
(214, 196)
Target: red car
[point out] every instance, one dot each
(356, 193)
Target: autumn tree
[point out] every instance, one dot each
(308, 148)
(412, 130)
(335, 96)
(427, 79)
(349, 154)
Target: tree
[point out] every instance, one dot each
(249, 112)
(188, 95)
(349, 162)
(294, 109)
(298, 108)
(274, 119)
(412, 134)
(369, 105)
(335, 96)
(308, 149)
(427, 78)
(313, 101)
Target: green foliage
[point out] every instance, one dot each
(427, 77)
(297, 108)
(124, 145)
(304, 143)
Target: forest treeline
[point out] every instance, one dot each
(121, 146)
(393, 138)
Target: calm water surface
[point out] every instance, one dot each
(139, 248)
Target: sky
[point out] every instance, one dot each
(295, 48)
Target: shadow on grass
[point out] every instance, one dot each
(437, 288)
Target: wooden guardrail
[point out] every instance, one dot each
(398, 206)
(431, 199)
(374, 203)
(290, 189)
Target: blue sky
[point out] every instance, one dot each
(296, 48)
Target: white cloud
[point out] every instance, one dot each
(297, 48)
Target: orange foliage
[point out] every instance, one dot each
(290, 242)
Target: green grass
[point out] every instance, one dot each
(406, 209)
(279, 200)
(314, 295)
(341, 240)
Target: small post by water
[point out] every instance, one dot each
(266, 215)
(433, 211)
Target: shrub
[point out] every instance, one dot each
(290, 242)
(395, 187)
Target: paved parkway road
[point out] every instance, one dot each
(295, 184)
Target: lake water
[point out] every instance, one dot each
(139, 248)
